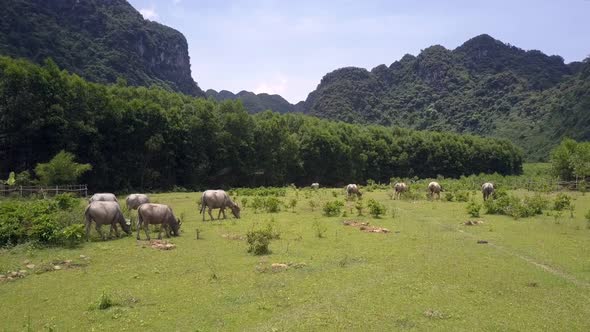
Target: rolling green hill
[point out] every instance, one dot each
(483, 87)
(253, 102)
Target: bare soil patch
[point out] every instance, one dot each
(364, 226)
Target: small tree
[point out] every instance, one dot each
(375, 208)
(62, 169)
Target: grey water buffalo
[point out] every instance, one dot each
(434, 188)
(218, 199)
(150, 213)
(315, 185)
(353, 189)
(487, 189)
(399, 188)
(106, 197)
(135, 200)
(105, 212)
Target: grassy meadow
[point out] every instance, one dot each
(428, 273)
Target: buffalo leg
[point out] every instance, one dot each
(138, 229)
(210, 214)
(223, 211)
(99, 230)
(219, 214)
(160, 232)
(146, 229)
(87, 230)
(116, 230)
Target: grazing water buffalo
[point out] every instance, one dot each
(135, 200)
(434, 188)
(218, 199)
(487, 189)
(353, 189)
(106, 197)
(105, 212)
(315, 185)
(399, 188)
(150, 213)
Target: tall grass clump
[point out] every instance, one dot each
(333, 208)
(376, 209)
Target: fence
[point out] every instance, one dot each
(22, 191)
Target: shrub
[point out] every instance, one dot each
(61, 169)
(536, 203)
(359, 207)
(375, 208)
(258, 241)
(312, 204)
(587, 216)
(473, 209)
(51, 221)
(105, 301)
(292, 204)
(449, 197)
(272, 205)
(257, 203)
(562, 202)
(319, 229)
(462, 196)
(332, 209)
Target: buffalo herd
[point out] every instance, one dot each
(104, 208)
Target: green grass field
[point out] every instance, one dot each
(428, 273)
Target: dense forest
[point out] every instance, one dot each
(100, 40)
(484, 87)
(150, 138)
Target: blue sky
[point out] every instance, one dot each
(286, 47)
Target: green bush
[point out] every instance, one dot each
(462, 196)
(517, 208)
(320, 229)
(449, 197)
(359, 207)
(272, 205)
(562, 202)
(332, 209)
(259, 240)
(375, 208)
(473, 209)
(42, 220)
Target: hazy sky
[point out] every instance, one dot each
(286, 47)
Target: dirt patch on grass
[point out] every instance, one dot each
(264, 267)
(473, 222)
(30, 268)
(365, 226)
(232, 236)
(434, 314)
(162, 245)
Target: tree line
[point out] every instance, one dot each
(139, 138)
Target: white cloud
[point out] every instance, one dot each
(149, 13)
(176, 2)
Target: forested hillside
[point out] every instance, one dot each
(253, 102)
(100, 40)
(484, 87)
(149, 138)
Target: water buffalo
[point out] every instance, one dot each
(399, 188)
(487, 189)
(434, 188)
(315, 185)
(218, 199)
(105, 212)
(150, 213)
(135, 200)
(106, 197)
(353, 189)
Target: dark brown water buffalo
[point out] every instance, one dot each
(150, 213)
(106, 197)
(218, 199)
(399, 188)
(105, 212)
(133, 201)
(434, 188)
(487, 189)
(353, 189)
